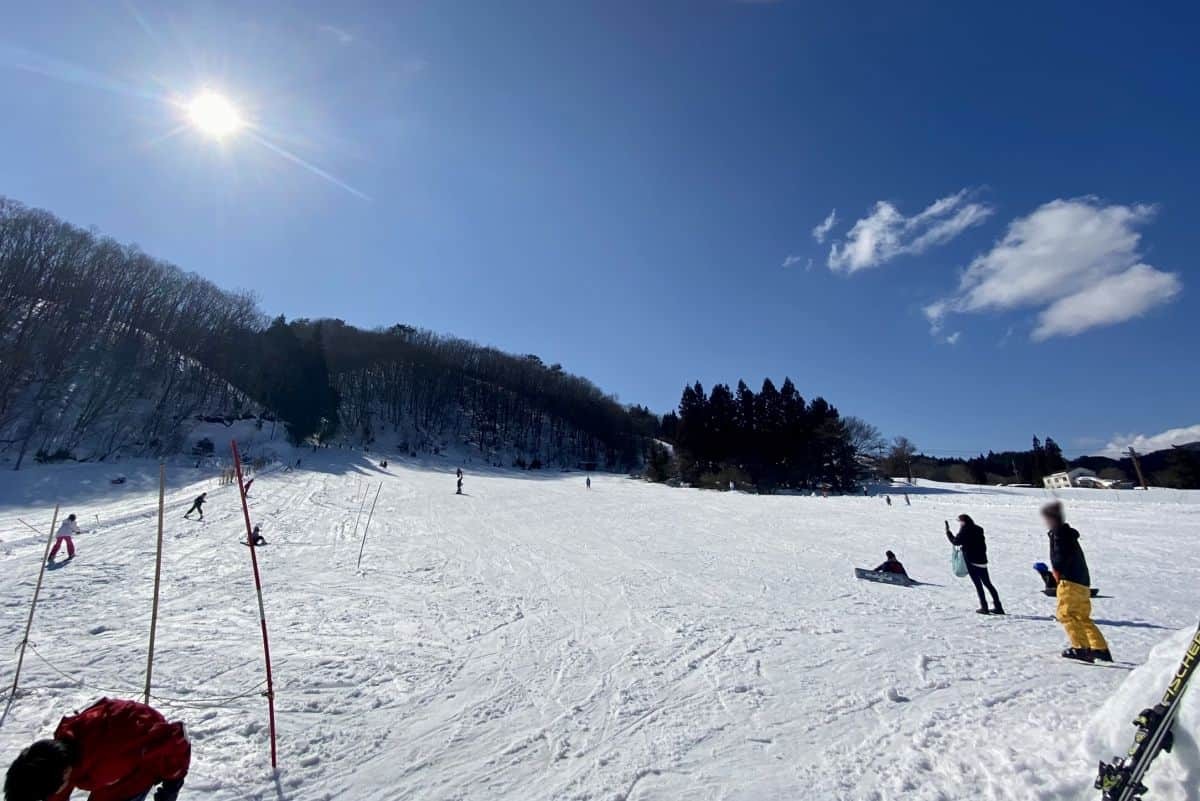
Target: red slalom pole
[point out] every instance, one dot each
(262, 615)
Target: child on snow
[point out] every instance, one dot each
(892, 565)
(117, 750)
(1070, 570)
(66, 531)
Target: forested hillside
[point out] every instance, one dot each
(105, 350)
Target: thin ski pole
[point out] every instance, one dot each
(361, 506)
(262, 614)
(162, 483)
(37, 590)
(368, 526)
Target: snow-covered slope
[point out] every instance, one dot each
(536, 640)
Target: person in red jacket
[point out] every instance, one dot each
(116, 750)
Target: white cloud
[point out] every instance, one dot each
(885, 233)
(792, 261)
(1119, 445)
(953, 338)
(1111, 300)
(1077, 260)
(822, 229)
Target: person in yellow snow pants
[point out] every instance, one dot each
(1070, 569)
(1075, 614)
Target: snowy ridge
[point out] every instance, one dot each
(534, 640)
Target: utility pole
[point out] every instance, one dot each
(1138, 467)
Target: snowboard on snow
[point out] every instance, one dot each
(883, 577)
(1121, 780)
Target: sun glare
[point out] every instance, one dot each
(213, 114)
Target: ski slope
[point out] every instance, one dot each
(534, 640)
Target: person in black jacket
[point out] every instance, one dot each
(974, 547)
(1070, 568)
(891, 565)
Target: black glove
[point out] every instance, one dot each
(169, 790)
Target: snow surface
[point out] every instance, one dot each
(536, 640)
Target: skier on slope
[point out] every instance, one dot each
(589, 482)
(459, 483)
(197, 506)
(117, 750)
(974, 547)
(63, 536)
(1070, 569)
(892, 565)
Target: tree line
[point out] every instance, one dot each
(767, 440)
(1177, 467)
(105, 350)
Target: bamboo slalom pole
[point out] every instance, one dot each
(37, 590)
(162, 483)
(262, 614)
(368, 526)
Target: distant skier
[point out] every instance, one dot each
(888, 498)
(1070, 569)
(974, 547)
(256, 537)
(589, 482)
(63, 536)
(892, 565)
(197, 506)
(459, 485)
(116, 750)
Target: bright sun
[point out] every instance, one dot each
(213, 114)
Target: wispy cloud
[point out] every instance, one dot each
(1120, 444)
(342, 36)
(822, 229)
(792, 261)
(1077, 260)
(885, 233)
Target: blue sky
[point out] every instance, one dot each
(634, 189)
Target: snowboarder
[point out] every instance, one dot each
(197, 506)
(63, 536)
(117, 750)
(256, 537)
(1070, 569)
(892, 565)
(974, 547)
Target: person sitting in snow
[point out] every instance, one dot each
(256, 537)
(892, 565)
(66, 531)
(197, 505)
(117, 750)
